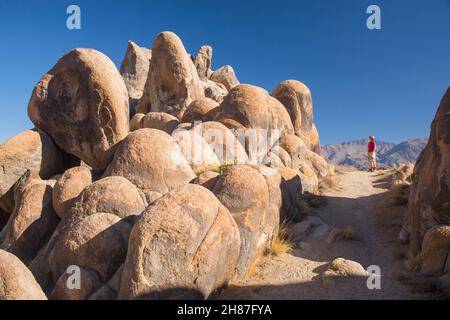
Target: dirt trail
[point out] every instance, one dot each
(362, 203)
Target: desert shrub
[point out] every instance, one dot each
(283, 242)
(400, 194)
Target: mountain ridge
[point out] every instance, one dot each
(354, 153)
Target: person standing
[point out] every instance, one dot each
(371, 153)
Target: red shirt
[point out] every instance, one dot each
(371, 146)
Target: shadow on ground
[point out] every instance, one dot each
(376, 225)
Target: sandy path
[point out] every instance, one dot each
(362, 204)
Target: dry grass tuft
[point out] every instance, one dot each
(400, 194)
(283, 242)
(341, 234)
(328, 183)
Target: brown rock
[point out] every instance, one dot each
(183, 247)
(285, 157)
(109, 291)
(68, 187)
(319, 164)
(30, 150)
(161, 121)
(214, 90)
(272, 160)
(291, 190)
(89, 283)
(16, 281)
(33, 220)
(203, 61)
(207, 179)
(252, 107)
(272, 217)
(296, 98)
(245, 193)
(151, 196)
(136, 122)
(223, 142)
(173, 82)
(429, 196)
(151, 160)
(98, 242)
(93, 233)
(196, 150)
(134, 69)
(83, 104)
(314, 140)
(226, 76)
(341, 269)
(200, 110)
(435, 251)
(300, 161)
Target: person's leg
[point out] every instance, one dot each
(370, 156)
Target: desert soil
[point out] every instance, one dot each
(362, 202)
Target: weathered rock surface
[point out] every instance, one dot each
(82, 102)
(134, 69)
(291, 190)
(16, 281)
(214, 90)
(207, 179)
(200, 110)
(284, 157)
(93, 233)
(429, 199)
(68, 187)
(184, 246)
(319, 164)
(226, 76)
(89, 283)
(272, 214)
(161, 121)
(136, 122)
(30, 150)
(300, 161)
(3, 219)
(33, 220)
(435, 251)
(314, 140)
(223, 142)
(245, 193)
(196, 150)
(173, 82)
(151, 160)
(203, 61)
(109, 290)
(341, 267)
(251, 107)
(296, 98)
(272, 160)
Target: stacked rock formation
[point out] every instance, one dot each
(427, 222)
(172, 203)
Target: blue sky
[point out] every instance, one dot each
(384, 82)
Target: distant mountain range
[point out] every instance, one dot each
(354, 153)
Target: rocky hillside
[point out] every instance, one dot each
(354, 153)
(146, 183)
